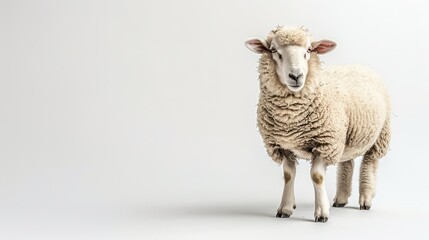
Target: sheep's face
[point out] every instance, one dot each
(291, 64)
(290, 48)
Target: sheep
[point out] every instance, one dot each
(326, 115)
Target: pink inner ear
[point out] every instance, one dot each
(324, 47)
(257, 45)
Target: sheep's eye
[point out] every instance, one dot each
(309, 50)
(273, 50)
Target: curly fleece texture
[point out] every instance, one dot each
(341, 113)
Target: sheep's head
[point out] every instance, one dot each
(291, 49)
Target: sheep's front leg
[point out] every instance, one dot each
(288, 198)
(344, 183)
(318, 169)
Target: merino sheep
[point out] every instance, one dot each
(329, 116)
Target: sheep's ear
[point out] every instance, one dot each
(256, 45)
(323, 46)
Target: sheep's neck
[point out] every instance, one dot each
(289, 109)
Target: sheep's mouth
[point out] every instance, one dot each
(295, 88)
(294, 84)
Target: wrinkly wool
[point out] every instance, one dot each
(290, 36)
(341, 113)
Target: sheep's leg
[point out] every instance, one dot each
(288, 198)
(368, 169)
(368, 173)
(318, 169)
(344, 183)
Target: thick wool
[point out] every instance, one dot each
(341, 113)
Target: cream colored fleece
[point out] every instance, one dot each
(341, 113)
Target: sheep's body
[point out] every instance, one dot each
(340, 113)
(341, 120)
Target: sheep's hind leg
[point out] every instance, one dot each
(288, 198)
(318, 169)
(344, 183)
(368, 169)
(368, 172)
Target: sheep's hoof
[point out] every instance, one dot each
(338, 204)
(282, 215)
(364, 207)
(321, 219)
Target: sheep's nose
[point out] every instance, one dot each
(295, 76)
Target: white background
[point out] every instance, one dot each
(137, 120)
